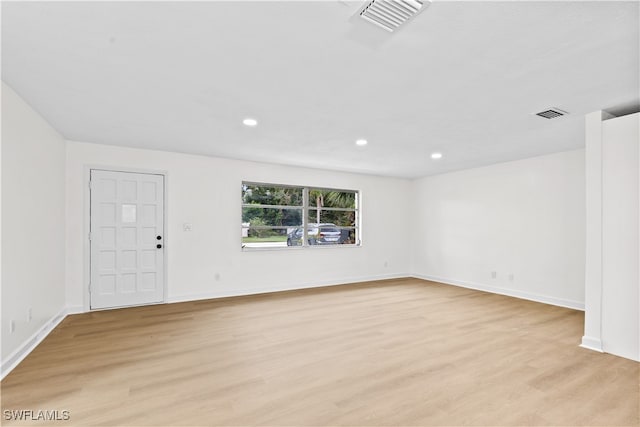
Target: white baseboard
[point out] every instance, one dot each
(76, 309)
(576, 305)
(32, 342)
(254, 291)
(592, 343)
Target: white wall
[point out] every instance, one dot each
(33, 224)
(208, 261)
(593, 245)
(524, 218)
(620, 242)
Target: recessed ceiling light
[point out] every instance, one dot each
(250, 122)
(436, 156)
(361, 142)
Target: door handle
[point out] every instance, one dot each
(158, 237)
(159, 246)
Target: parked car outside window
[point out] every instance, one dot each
(317, 234)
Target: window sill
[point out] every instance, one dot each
(297, 248)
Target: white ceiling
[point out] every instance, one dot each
(462, 78)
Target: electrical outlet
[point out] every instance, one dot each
(12, 326)
(386, 264)
(494, 274)
(187, 226)
(29, 315)
(511, 277)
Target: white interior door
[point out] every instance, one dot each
(127, 239)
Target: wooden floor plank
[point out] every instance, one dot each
(396, 352)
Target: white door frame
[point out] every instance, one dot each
(86, 276)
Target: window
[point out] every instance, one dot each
(280, 216)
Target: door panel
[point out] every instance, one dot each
(127, 216)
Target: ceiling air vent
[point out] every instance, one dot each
(391, 14)
(551, 113)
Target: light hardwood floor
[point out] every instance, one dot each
(400, 352)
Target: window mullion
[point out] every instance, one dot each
(305, 214)
(258, 206)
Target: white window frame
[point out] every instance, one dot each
(305, 209)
